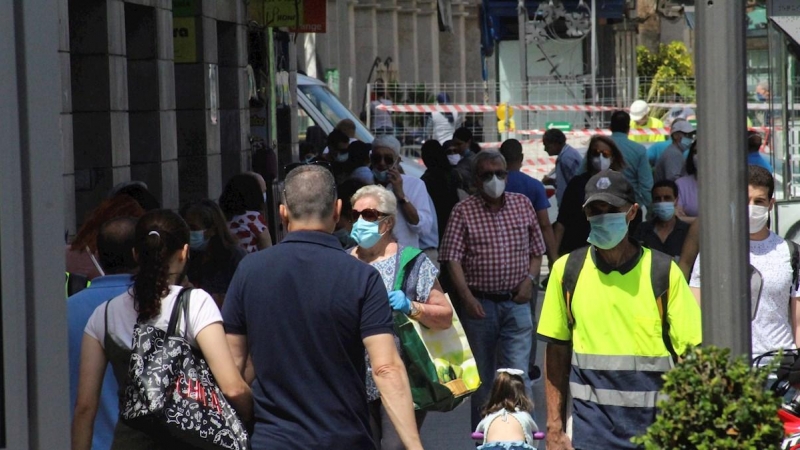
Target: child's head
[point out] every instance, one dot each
(508, 392)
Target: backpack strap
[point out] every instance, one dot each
(569, 280)
(794, 252)
(660, 266)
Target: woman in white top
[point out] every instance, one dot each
(161, 248)
(507, 423)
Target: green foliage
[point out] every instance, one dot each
(669, 71)
(715, 402)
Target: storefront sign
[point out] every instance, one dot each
(304, 16)
(184, 37)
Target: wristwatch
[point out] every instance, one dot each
(401, 201)
(534, 279)
(415, 312)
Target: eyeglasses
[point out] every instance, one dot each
(369, 214)
(290, 167)
(486, 176)
(387, 159)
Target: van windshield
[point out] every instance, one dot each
(333, 109)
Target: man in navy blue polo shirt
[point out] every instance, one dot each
(305, 311)
(115, 255)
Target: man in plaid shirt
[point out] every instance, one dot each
(493, 249)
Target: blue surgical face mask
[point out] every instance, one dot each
(664, 211)
(342, 157)
(686, 142)
(380, 175)
(608, 230)
(760, 97)
(197, 240)
(366, 234)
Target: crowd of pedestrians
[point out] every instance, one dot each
(299, 334)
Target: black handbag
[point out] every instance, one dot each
(171, 391)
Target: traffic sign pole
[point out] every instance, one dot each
(724, 235)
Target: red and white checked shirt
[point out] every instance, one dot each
(494, 248)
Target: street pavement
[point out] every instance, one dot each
(451, 430)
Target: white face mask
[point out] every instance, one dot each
(454, 159)
(758, 217)
(495, 187)
(601, 163)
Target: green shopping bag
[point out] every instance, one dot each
(441, 369)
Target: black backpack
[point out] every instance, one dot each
(659, 277)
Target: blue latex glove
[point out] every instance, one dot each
(399, 301)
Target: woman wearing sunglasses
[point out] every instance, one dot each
(374, 215)
(572, 227)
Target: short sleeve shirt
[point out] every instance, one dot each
(615, 313)
(494, 247)
(305, 306)
(247, 227)
(122, 316)
(529, 187)
(771, 327)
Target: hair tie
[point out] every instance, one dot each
(153, 233)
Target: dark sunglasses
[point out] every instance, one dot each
(387, 159)
(486, 176)
(289, 167)
(369, 214)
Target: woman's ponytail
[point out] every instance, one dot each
(160, 234)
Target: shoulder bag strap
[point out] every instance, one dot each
(660, 266)
(177, 311)
(404, 256)
(569, 280)
(794, 254)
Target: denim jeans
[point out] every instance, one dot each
(502, 339)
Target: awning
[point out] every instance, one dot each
(790, 25)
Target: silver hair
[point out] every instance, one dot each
(487, 155)
(389, 142)
(310, 193)
(387, 202)
(763, 84)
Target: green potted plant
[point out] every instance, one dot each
(715, 402)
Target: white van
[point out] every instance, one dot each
(321, 107)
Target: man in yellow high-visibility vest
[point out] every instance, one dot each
(640, 118)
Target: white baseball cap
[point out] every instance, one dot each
(639, 109)
(682, 126)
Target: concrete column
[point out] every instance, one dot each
(428, 48)
(166, 100)
(198, 130)
(98, 80)
(472, 44)
(65, 118)
(386, 15)
(453, 53)
(366, 49)
(347, 52)
(408, 62)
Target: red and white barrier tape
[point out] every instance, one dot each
(490, 108)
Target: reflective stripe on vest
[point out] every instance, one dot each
(616, 362)
(631, 399)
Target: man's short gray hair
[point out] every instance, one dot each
(389, 142)
(763, 84)
(310, 193)
(487, 155)
(387, 202)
